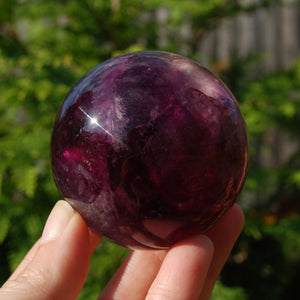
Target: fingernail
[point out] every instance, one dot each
(57, 221)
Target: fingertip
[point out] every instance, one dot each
(197, 241)
(236, 216)
(57, 265)
(196, 250)
(57, 221)
(184, 269)
(237, 209)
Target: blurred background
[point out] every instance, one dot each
(253, 45)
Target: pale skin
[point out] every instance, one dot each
(187, 271)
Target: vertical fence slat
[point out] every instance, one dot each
(274, 33)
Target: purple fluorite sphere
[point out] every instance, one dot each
(150, 148)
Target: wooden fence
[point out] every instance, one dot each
(274, 33)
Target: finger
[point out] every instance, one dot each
(183, 271)
(141, 267)
(57, 266)
(27, 259)
(223, 236)
(94, 241)
(136, 275)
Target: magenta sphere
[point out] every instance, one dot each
(150, 148)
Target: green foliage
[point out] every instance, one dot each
(4, 226)
(46, 46)
(104, 262)
(272, 101)
(265, 260)
(223, 292)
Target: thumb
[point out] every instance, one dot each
(57, 265)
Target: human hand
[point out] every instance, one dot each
(56, 266)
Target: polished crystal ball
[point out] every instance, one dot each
(150, 148)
